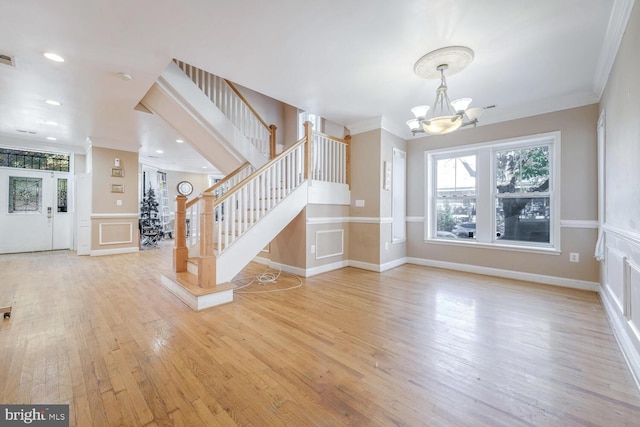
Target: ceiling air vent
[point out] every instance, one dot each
(30, 132)
(7, 60)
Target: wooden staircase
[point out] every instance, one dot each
(219, 232)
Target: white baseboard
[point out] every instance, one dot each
(393, 264)
(116, 251)
(509, 274)
(287, 268)
(326, 268)
(365, 265)
(261, 260)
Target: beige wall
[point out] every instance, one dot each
(113, 226)
(578, 192)
(364, 230)
(200, 183)
(271, 110)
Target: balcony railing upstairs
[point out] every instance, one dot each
(330, 160)
(235, 107)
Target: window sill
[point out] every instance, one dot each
(497, 246)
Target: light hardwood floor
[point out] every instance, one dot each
(412, 346)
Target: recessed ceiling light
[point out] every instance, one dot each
(53, 56)
(179, 141)
(52, 138)
(49, 122)
(204, 167)
(124, 76)
(53, 102)
(159, 151)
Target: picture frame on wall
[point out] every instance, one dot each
(117, 188)
(117, 172)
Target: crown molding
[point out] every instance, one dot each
(618, 19)
(379, 122)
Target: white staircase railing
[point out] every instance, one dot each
(193, 207)
(329, 158)
(234, 106)
(236, 211)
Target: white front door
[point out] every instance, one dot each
(34, 210)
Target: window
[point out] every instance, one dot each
(62, 195)
(34, 160)
(25, 195)
(499, 193)
(315, 120)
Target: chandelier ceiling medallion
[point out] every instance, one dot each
(444, 116)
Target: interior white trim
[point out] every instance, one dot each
(114, 251)
(629, 351)
(632, 236)
(415, 219)
(114, 215)
(509, 274)
(102, 242)
(327, 220)
(577, 223)
(618, 19)
(371, 220)
(341, 252)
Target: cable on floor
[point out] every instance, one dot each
(267, 277)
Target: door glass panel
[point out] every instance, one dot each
(62, 194)
(25, 194)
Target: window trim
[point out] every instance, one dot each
(486, 193)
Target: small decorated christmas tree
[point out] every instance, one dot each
(149, 218)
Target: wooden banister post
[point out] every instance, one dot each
(308, 134)
(272, 141)
(180, 251)
(207, 260)
(348, 160)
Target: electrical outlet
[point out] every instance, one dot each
(386, 246)
(313, 249)
(574, 257)
(118, 202)
(359, 203)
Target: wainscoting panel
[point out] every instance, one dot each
(115, 233)
(621, 291)
(329, 243)
(615, 266)
(633, 281)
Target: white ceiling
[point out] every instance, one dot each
(349, 61)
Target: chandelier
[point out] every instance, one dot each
(444, 116)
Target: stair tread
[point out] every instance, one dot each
(190, 282)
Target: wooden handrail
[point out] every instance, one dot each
(228, 194)
(235, 89)
(335, 138)
(217, 184)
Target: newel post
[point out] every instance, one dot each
(308, 134)
(180, 251)
(348, 160)
(272, 141)
(207, 260)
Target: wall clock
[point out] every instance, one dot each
(185, 188)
